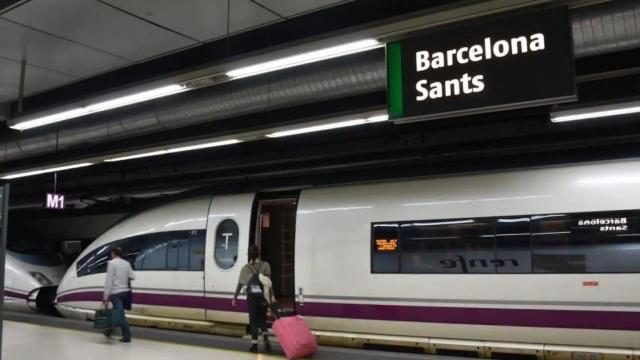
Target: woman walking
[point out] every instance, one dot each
(255, 277)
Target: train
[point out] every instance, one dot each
(539, 262)
(30, 281)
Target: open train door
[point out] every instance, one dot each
(274, 230)
(228, 224)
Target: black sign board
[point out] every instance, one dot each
(512, 62)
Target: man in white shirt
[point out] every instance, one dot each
(117, 289)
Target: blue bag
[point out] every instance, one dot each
(108, 318)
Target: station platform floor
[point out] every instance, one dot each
(35, 342)
(34, 337)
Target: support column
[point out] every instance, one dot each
(4, 213)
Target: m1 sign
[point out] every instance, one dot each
(55, 201)
(505, 63)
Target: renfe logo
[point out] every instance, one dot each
(466, 264)
(55, 201)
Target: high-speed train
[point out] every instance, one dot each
(538, 262)
(30, 280)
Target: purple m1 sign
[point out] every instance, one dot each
(54, 201)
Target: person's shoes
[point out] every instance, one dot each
(125, 340)
(267, 346)
(108, 333)
(253, 348)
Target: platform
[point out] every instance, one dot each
(28, 342)
(27, 336)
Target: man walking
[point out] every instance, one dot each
(117, 289)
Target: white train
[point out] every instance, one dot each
(539, 262)
(30, 281)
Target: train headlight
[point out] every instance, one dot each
(41, 278)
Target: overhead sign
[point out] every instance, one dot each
(54, 201)
(508, 63)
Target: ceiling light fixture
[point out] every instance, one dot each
(46, 118)
(36, 120)
(175, 150)
(328, 126)
(593, 112)
(45, 171)
(378, 118)
(204, 146)
(305, 58)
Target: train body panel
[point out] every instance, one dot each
(479, 298)
(179, 220)
(222, 271)
(543, 295)
(21, 285)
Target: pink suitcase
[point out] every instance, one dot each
(294, 336)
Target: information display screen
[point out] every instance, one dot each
(387, 244)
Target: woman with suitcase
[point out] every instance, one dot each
(255, 277)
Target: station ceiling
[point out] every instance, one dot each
(475, 143)
(64, 41)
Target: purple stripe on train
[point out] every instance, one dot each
(16, 295)
(569, 319)
(141, 298)
(184, 301)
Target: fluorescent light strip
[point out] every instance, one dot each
(329, 126)
(175, 150)
(315, 128)
(45, 171)
(594, 112)
(137, 156)
(378, 118)
(278, 64)
(305, 58)
(100, 106)
(204, 146)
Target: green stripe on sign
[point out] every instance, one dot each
(395, 100)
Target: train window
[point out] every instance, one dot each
(154, 254)
(385, 245)
(586, 243)
(513, 245)
(95, 262)
(178, 250)
(197, 249)
(605, 242)
(175, 250)
(131, 248)
(226, 244)
(450, 246)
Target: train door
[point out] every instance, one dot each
(228, 229)
(275, 224)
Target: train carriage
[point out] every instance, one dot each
(30, 281)
(517, 259)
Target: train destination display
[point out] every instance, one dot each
(507, 63)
